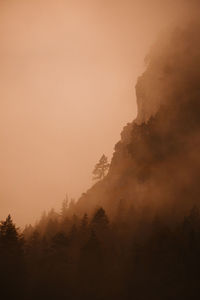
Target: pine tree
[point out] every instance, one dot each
(11, 260)
(8, 233)
(64, 208)
(99, 224)
(100, 219)
(101, 168)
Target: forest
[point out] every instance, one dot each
(93, 257)
(135, 234)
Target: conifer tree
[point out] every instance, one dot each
(64, 208)
(101, 168)
(8, 232)
(11, 260)
(100, 219)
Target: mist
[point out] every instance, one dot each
(155, 166)
(73, 76)
(67, 77)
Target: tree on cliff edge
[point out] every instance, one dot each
(101, 168)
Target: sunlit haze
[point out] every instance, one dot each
(67, 88)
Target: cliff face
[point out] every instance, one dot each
(156, 164)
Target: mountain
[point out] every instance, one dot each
(156, 164)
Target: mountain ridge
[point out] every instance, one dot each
(156, 162)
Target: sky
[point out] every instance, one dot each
(67, 75)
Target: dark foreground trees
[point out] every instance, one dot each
(12, 267)
(92, 257)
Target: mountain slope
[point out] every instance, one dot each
(156, 164)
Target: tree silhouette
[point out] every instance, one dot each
(11, 260)
(101, 168)
(100, 219)
(9, 236)
(64, 207)
(100, 225)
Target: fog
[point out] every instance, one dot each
(67, 77)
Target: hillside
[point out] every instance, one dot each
(156, 163)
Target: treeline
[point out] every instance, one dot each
(92, 257)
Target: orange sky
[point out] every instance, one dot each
(67, 76)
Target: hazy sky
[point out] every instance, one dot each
(67, 76)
